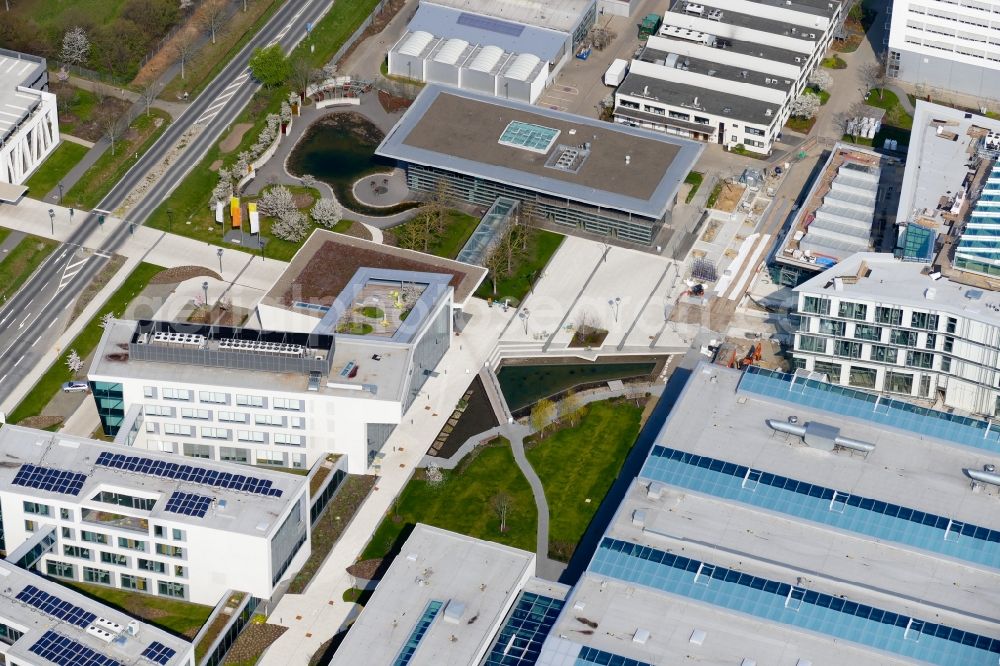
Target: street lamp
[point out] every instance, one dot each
(616, 304)
(170, 219)
(524, 317)
(52, 220)
(219, 253)
(204, 287)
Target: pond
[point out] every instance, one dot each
(523, 385)
(338, 149)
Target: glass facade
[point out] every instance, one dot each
(978, 248)
(791, 605)
(520, 640)
(110, 401)
(421, 627)
(954, 428)
(818, 504)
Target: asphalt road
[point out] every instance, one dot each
(27, 319)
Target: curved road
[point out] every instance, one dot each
(27, 317)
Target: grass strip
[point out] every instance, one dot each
(21, 262)
(62, 160)
(181, 618)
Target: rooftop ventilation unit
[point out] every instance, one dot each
(987, 475)
(694, 8)
(820, 436)
(715, 14)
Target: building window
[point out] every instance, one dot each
(214, 398)
(233, 417)
(297, 422)
(169, 551)
(831, 370)
(287, 403)
(158, 531)
(202, 414)
(883, 354)
(849, 310)
(952, 325)
(110, 401)
(176, 394)
(176, 534)
(76, 551)
(179, 571)
(114, 558)
(754, 131)
(816, 305)
(131, 544)
(945, 364)
(149, 392)
(130, 582)
(866, 332)
(269, 419)
(36, 508)
(891, 316)
(158, 410)
(177, 590)
(925, 386)
(65, 514)
(847, 349)
(151, 565)
(702, 120)
(198, 451)
(919, 359)
(249, 400)
(931, 341)
(832, 327)
(30, 526)
(288, 440)
(67, 533)
(231, 454)
(949, 343)
(899, 382)
(862, 377)
(94, 537)
(677, 115)
(99, 576)
(270, 458)
(811, 343)
(178, 429)
(924, 320)
(121, 499)
(214, 433)
(60, 569)
(905, 338)
(250, 436)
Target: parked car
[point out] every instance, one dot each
(75, 387)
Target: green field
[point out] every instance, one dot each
(895, 114)
(18, 264)
(575, 482)
(463, 503)
(55, 168)
(84, 343)
(178, 617)
(53, 13)
(542, 245)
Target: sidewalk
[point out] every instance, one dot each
(318, 614)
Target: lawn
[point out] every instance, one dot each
(895, 115)
(18, 265)
(834, 62)
(84, 343)
(178, 617)
(97, 181)
(694, 179)
(575, 483)
(463, 503)
(542, 245)
(800, 125)
(54, 168)
(457, 230)
(713, 196)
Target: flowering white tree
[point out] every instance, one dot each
(276, 201)
(291, 225)
(75, 46)
(805, 106)
(286, 112)
(107, 319)
(327, 212)
(822, 79)
(74, 362)
(308, 180)
(434, 476)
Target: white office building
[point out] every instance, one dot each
(149, 522)
(29, 122)
(44, 623)
(947, 45)
(726, 72)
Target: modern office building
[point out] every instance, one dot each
(576, 173)
(727, 72)
(339, 357)
(953, 46)
(29, 122)
(443, 601)
(44, 623)
(147, 521)
(840, 530)
(884, 324)
(504, 48)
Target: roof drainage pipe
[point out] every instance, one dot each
(983, 476)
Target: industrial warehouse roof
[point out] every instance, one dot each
(740, 542)
(451, 23)
(617, 167)
(46, 466)
(48, 613)
(562, 15)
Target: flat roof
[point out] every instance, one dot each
(462, 587)
(696, 65)
(759, 23)
(710, 101)
(19, 69)
(453, 23)
(757, 544)
(561, 15)
(248, 512)
(459, 131)
(904, 283)
(34, 622)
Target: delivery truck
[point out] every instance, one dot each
(616, 73)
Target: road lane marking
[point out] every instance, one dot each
(50, 324)
(35, 342)
(4, 377)
(18, 361)
(26, 317)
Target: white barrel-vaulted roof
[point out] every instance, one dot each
(486, 59)
(416, 43)
(522, 67)
(451, 51)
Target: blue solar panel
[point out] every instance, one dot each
(188, 504)
(52, 480)
(491, 24)
(56, 607)
(64, 651)
(159, 653)
(169, 470)
(519, 642)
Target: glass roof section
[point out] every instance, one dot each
(528, 136)
(520, 640)
(417, 635)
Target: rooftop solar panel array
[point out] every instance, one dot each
(47, 478)
(56, 607)
(159, 653)
(188, 504)
(64, 651)
(180, 472)
(491, 24)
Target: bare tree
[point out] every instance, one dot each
(846, 121)
(570, 406)
(148, 94)
(872, 76)
(114, 128)
(587, 323)
(75, 46)
(303, 75)
(74, 362)
(184, 50)
(502, 504)
(495, 262)
(213, 18)
(542, 414)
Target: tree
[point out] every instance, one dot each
(434, 476)
(542, 414)
(184, 50)
(213, 17)
(821, 79)
(276, 201)
(570, 406)
(270, 66)
(846, 120)
(495, 262)
(291, 225)
(327, 212)
(804, 106)
(588, 323)
(303, 75)
(114, 127)
(223, 190)
(501, 504)
(107, 319)
(75, 46)
(74, 362)
(148, 94)
(308, 180)
(872, 76)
